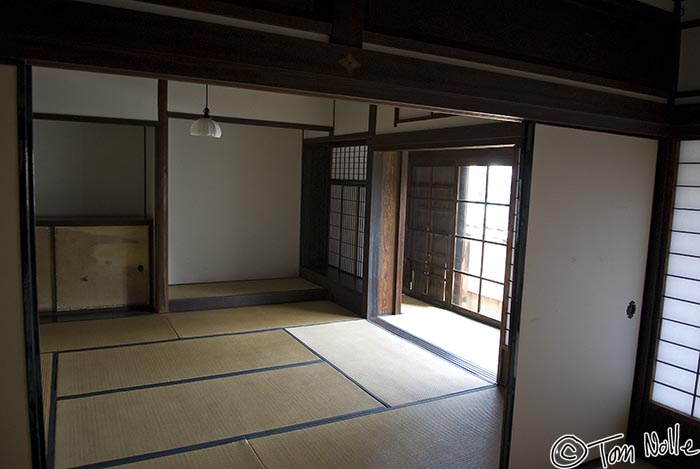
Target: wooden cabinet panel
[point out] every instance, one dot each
(102, 267)
(44, 268)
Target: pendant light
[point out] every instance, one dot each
(205, 126)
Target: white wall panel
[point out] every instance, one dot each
(58, 91)
(89, 169)
(587, 240)
(351, 117)
(234, 203)
(250, 104)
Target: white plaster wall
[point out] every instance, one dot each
(89, 169)
(250, 104)
(234, 203)
(58, 91)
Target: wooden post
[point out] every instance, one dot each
(160, 244)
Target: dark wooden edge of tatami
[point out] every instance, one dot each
(247, 299)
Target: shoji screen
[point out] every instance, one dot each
(676, 383)
(346, 230)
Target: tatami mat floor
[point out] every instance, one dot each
(307, 385)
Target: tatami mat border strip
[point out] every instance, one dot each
(188, 380)
(355, 382)
(225, 441)
(274, 431)
(451, 358)
(51, 443)
(206, 336)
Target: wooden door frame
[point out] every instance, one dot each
(455, 158)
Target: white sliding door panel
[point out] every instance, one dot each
(590, 210)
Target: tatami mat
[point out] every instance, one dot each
(393, 369)
(461, 432)
(98, 333)
(97, 370)
(117, 425)
(243, 287)
(238, 455)
(249, 318)
(46, 372)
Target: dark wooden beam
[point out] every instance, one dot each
(686, 121)
(160, 244)
(504, 133)
(254, 122)
(93, 119)
(618, 41)
(316, 21)
(348, 22)
(690, 24)
(83, 34)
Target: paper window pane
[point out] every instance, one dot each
(470, 220)
(500, 178)
(672, 398)
(684, 266)
(679, 356)
(682, 311)
(682, 289)
(468, 256)
(688, 175)
(472, 183)
(491, 300)
(675, 377)
(686, 220)
(688, 197)
(690, 151)
(684, 243)
(681, 334)
(465, 291)
(497, 223)
(494, 263)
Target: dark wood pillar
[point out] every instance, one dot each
(160, 244)
(385, 234)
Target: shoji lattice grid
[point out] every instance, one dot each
(676, 376)
(346, 231)
(349, 163)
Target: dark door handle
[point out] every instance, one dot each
(631, 309)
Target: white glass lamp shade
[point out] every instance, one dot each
(205, 127)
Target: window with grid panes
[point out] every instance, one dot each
(346, 230)
(677, 371)
(481, 239)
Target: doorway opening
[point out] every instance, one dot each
(458, 254)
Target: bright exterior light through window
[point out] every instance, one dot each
(676, 383)
(481, 238)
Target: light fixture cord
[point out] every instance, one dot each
(206, 100)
